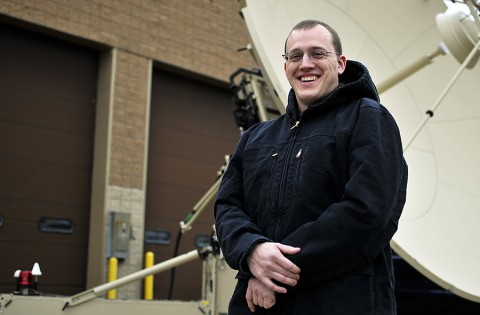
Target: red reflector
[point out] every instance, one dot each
(25, 278)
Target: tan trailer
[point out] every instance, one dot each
(218, 282)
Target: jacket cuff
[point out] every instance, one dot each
(243, 266)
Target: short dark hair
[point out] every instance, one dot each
(309, 24)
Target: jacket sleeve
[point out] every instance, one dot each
(356, 229)
(236, 231)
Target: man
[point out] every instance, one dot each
(310, 201)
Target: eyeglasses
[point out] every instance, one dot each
(313, 54)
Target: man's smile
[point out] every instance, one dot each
(309, 78)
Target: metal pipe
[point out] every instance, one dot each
(444, 93)
(471, 6)
(163, 266)
(411, 69)
(186, 225)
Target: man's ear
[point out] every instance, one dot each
(341, 64)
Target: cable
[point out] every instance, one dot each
(172, 272)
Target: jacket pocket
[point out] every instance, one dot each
(347, 295)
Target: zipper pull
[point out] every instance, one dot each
(296, 124)
(299, 153)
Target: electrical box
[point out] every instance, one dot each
(120, 234)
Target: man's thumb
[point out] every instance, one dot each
(288, 250)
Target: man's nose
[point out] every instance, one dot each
(306, 62)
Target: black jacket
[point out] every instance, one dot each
(331, 181)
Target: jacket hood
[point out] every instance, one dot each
(354, 83)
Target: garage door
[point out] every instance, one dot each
(47, 111)
(192, 128)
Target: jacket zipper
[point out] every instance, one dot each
(282, 187)
(273, 164)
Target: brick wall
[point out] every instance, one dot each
(200, 37)
(197, 35)
(131, 94)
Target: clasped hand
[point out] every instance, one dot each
(267, 262)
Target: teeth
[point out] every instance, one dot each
(305, 79)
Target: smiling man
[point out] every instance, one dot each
(313, 63)
(310, 201)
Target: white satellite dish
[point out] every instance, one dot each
(438, 233)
